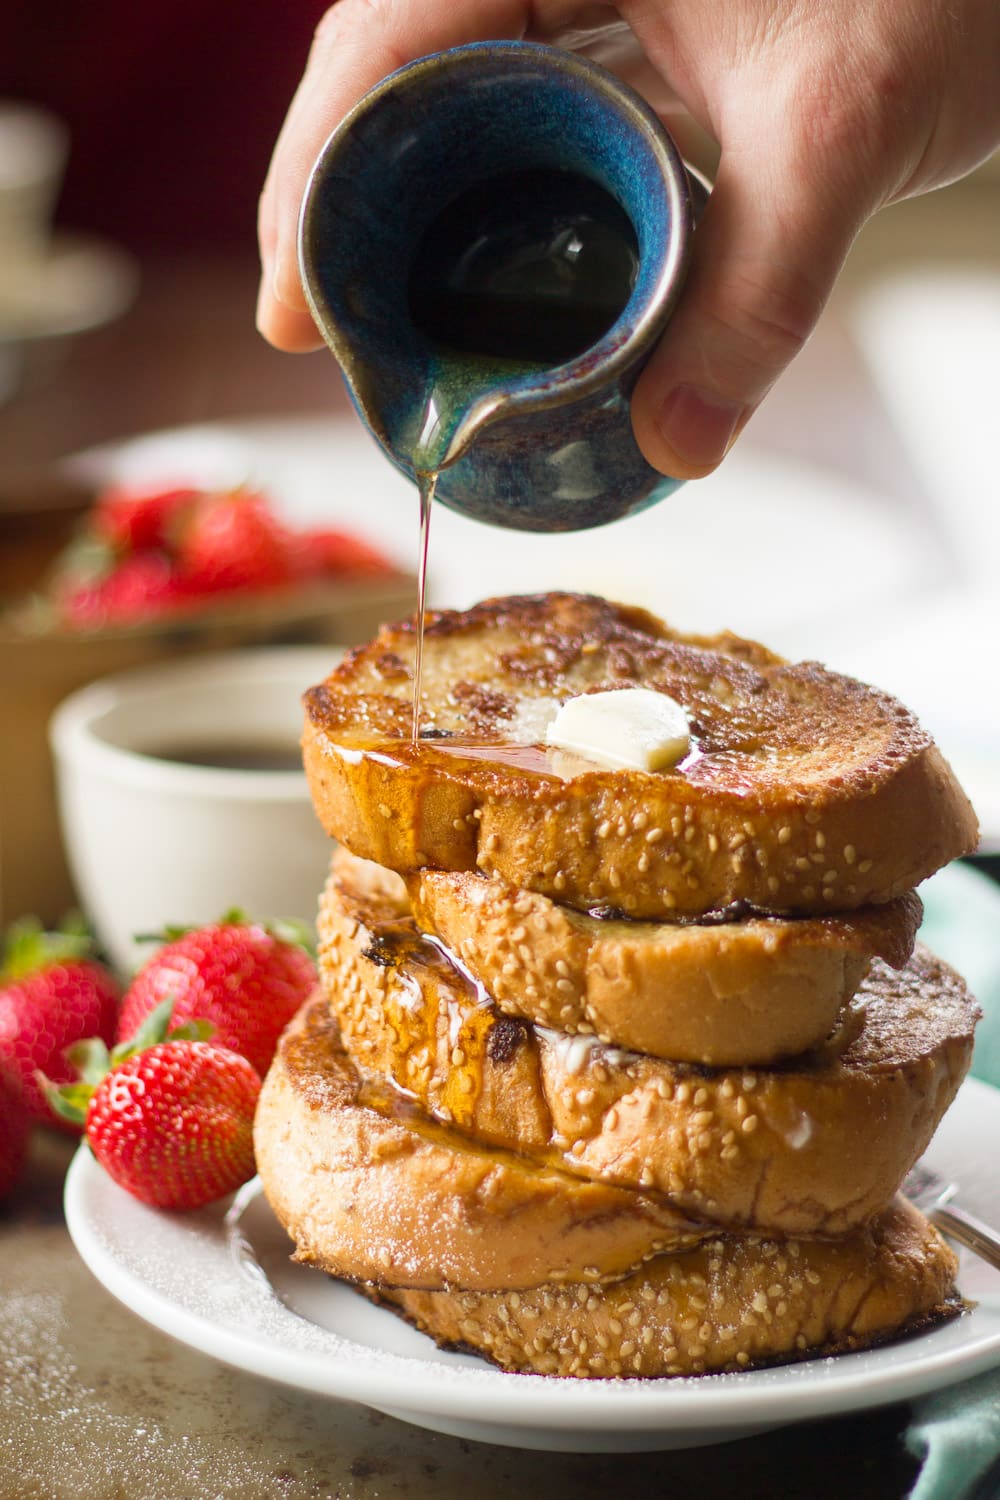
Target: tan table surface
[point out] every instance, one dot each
(95, 1405)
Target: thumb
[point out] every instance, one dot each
(766, 254)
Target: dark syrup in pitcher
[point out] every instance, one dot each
(521, 272)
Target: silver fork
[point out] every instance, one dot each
(932, 1194)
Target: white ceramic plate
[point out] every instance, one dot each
(229, 1290)
(227, 1287)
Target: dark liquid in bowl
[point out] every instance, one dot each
(244, 756)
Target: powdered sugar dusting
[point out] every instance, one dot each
(223, 1279)
(62, 1437)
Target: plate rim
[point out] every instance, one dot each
(536, 1403)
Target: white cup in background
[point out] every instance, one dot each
(153, 839)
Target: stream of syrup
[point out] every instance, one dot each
(426, 484)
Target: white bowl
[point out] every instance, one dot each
(154, 840)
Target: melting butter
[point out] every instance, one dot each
(624, 728)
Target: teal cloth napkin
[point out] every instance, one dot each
(956, 1431)
(957, 1434)
(962, 925)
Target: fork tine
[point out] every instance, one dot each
(968, 1231)
(921, 1183)
(930, 1192)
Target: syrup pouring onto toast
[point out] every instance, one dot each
(523, 271)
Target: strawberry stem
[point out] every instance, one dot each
(285, 929)
(29, 947)
(234, 917)
(67, 1100)
(90, 1058)
(156, 1028)
(192, 1031)
(168, 934)
(298, 934)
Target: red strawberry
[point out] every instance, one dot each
(141, 586)
(169, 1117)
(132, 518)
(15, 1127)
(234, 541)
(338, 554)
(52, 993)
(247, 980)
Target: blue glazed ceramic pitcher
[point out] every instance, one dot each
(491, 244)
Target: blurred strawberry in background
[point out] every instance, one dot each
(144, 553)
(129, 519)
(337, 554)
(136, 588)
(233, 540)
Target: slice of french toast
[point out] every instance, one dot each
(748, 990)
(804, 792)
(369, 1190)
(816, 1145)
(728, 1304)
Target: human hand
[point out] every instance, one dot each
(824, 110)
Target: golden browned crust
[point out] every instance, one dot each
(379, 1198)
(746, 991)
(815, 1146)
(808, 791)
(728, 1304)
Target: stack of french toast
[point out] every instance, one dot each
(617, 1068)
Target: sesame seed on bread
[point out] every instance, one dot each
(806, 792)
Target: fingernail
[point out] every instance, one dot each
(698, 427)
(287, 290)
(263, 302)
(277, 279)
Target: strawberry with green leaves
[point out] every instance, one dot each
(247, 979)
(53, 992)
(168, 1115)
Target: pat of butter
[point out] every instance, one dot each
(624, 728)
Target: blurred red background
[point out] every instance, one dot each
(173, 106)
